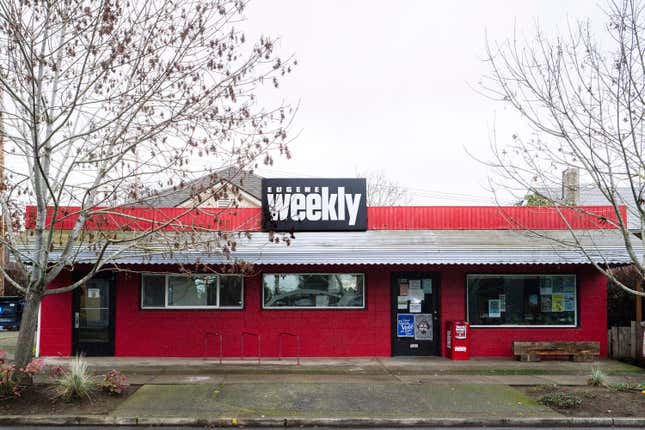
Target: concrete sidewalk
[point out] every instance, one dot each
(270, 378)
(433, 370)
(351, 366)
(340, 400)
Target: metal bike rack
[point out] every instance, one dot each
(284, 333)
(221, 343)
(248, 333)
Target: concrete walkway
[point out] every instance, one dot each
(369, 365)
(163, 371)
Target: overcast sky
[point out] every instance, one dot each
(391, 85)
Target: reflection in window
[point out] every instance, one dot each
(549, 300)
(329, 290)
(184, 291)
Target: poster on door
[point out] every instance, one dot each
(423, 327)
(404, 325)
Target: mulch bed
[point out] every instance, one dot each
(595, 401)
(38, 400)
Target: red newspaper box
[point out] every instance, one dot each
(458, 340)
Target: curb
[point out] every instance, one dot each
(100, 420)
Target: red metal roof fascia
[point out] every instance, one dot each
(492, 217)
(142, 219)
(379, 218)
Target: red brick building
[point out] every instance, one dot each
(344, 293)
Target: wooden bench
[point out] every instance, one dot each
(576, 351)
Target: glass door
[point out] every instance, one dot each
(415, 314)
(93, 317)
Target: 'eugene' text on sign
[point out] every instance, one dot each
(314, 204)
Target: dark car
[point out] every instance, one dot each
(11, 312)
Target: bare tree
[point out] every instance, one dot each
(383, 191)
(103, 100)
(583, 102)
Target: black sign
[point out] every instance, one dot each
(314, 204)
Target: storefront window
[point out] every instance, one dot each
(185, 291)
(182, 291)
(326, 290)
(522, 300)
(230, 291)
(153, 291)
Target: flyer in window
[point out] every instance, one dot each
(426, 284)
(569, 288)
(545, 303)
(403, 287)
(502, 302)
(416, 293)
(494, 309)
(415, 283)
(415, 307)
(533, 299)
(545, 291)
(569, 302)
(557, 302)
(402, 302)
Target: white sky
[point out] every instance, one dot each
(390, 85)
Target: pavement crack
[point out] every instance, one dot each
(388, 371)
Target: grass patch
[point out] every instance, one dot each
(560, 401)
(628, 387)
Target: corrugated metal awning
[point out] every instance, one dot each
(394, 247)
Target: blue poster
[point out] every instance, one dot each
(405, 325)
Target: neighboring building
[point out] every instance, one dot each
(573, 193)
(343, 293)
(224, 188)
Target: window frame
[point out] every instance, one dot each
(315, 308)
(167, 277)
(520, 275)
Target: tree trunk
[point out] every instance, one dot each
(28, 323)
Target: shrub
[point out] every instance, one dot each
(115, 382)
(75, 382)
(561, 401)
(14, 381)
(597, 378)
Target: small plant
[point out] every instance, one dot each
(14, 381)
(115, 382)
(561, 401)
(597, 378)
(56, 371)
(75, 382)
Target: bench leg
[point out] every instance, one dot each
(529, 357)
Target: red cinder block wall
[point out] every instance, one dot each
(182, 333)
(366, 332)
(56, 320)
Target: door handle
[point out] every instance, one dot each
(77, 320)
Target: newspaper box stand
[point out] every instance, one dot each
(458, 340)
